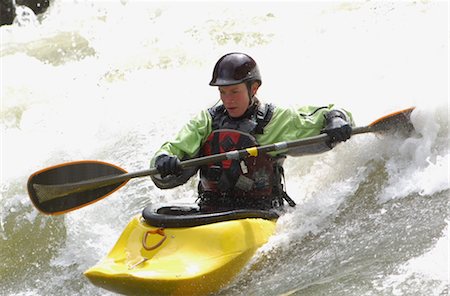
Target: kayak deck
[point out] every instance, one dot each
(174, 261)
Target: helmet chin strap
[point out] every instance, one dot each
(249, 91)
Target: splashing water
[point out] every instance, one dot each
(113, 81)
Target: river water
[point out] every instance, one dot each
(111, 81)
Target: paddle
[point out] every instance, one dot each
(69, 186)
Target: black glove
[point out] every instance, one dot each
(168, 165)
(337, 128)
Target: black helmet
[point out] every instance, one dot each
(234, 68)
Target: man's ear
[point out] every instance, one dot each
(254, 88)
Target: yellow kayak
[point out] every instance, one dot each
(189, 254)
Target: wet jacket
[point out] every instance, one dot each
(285, 124)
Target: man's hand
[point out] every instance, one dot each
(168, 165)
(337, 128)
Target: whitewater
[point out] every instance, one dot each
(112, 81)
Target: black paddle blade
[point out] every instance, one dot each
(400, 120)
(43, 185)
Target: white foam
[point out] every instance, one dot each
(432, 266)
(114, 80)
(421, 163)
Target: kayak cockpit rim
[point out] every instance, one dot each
(190, 215)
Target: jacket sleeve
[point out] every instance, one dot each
(289, 124)
(185, 145)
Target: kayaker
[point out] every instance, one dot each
(243, 121)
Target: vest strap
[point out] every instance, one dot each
(259, 115)
(256, 181)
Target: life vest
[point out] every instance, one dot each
(253, 176)
(254, 180)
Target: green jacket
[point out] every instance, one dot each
(286, 124)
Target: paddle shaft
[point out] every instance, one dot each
(253, 151)
(48, 192)
(65, 189)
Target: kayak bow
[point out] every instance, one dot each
(196, 260)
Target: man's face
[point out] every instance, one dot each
(235, 99)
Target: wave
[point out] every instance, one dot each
(113, 81)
